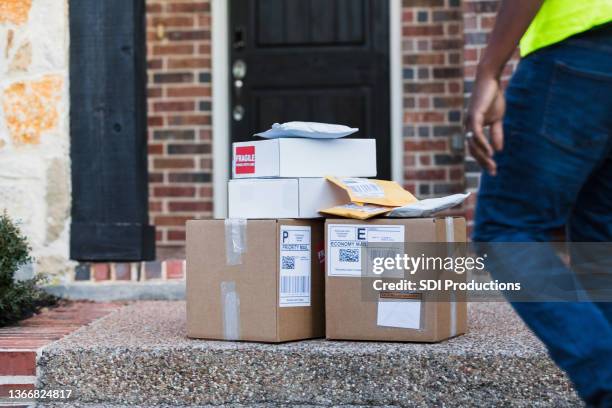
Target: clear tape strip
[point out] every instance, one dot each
(230, 304)
(450, 237)
(235, 240)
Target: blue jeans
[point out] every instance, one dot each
(555, 171)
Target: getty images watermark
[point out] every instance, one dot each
(523, 272)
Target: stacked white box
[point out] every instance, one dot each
(283, 178)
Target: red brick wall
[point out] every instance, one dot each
(179, 76)
(433, 95)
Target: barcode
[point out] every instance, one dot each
(382, 252)
(349, 255)
(295, 284)
(363, 187)
(288, 262)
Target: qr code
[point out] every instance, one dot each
(288, 262)
(349, 255)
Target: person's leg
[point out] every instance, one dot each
(552, 146)
(590, 233)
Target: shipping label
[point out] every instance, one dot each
(295, 266)
(345, 243)
(363, 188)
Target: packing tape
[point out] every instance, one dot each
(230, 305)
(450, 238)
(235, 240)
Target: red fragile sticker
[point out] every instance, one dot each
(244, 160)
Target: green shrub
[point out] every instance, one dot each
(18, 300)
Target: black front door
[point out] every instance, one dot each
(311, 60)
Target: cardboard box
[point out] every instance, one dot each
(258, 280)
(393, 316)
(304, 158)
(282, 198)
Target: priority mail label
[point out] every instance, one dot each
(244, 160)
(345, 242)
(295, 266)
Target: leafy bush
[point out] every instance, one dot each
(18, 300)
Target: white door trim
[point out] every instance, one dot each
(221, 99)
(220, 106)
(397, 91)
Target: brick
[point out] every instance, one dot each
(156, 177)
(180, 120)
(174, 106)
(101, 271)
(154, 92)
(82, 272)
(189, 148)
(190, 177)
(173, 77)
(190, 206)
(482, 6)
(160, 164)
(173, 191)
(155, 121)
(152, 270)
(423, 30)
(430, 174)
(440, 72)
(173, 49)
(155, 63)
(197, 7)
(188, 35)
(424, 59)
(175, 268)
(155, 206)
(17, 362)
(447, 15)
(424, 87)
(123, 271)
(179, 63)
(425, 145)
(176, 235)
(195, 91)
(173, 21)
(174, 134)
(155, 148)
(446, 159)
(171, 220)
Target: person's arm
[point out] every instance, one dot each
(487, 104)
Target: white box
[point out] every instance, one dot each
(304, 158)
(282, 197)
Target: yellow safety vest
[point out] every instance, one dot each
(560, 19)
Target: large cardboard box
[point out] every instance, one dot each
(304, 158)
(282, 197)
(389, 316)
(256, 280)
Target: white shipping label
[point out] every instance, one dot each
(402, 313)
(345, 242)
(295, 266)
(364, 188)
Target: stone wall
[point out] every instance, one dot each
(34, 128)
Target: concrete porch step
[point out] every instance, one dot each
(140, 355)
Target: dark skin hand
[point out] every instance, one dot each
(487, 104)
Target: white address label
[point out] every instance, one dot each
(345, 242)
(295, 266)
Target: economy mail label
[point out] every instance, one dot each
(345, 242)
(295, 266)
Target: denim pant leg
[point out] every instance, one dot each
(553, 143)
(590, 230)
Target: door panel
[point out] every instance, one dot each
(312, 60)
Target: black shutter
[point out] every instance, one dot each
(108, 132)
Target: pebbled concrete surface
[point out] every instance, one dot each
(140, 355)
